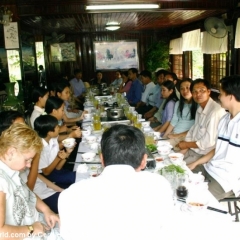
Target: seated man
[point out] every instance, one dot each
(201, 137)
(221, 165)
(135, 93)
(149, 95)
(123, 202)
(118, 81)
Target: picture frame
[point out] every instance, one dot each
(63, 52)
(11, 35)
(114, 55)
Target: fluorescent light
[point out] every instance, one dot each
(112, 26)
(122, 6)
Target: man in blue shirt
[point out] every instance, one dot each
(77, 86)
(135, 93)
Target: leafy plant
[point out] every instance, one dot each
(157, 56)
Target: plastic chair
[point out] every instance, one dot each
(236, 210)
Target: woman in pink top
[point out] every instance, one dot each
(126, 83)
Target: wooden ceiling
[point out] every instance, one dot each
(70, 16)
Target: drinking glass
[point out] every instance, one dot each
(138, 125)
(149, 138)
(96, 124)
(181, 189)
(96, 116)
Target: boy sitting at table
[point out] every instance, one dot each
(52, 158)
(221, 165)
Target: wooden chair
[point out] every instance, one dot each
(236, 209)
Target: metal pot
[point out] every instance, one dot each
(103, 85)
(115, 113)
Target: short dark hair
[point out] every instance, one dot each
(7, 118)
(76, 71)
(134, 70)
(231, 86)
(146, 73)
(45, 124)
(123, 145)
(53, 103)
(205, 82)
(125, 73)
(161, 71)
(38, 92)
(61, 86)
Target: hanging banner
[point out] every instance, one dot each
(11, 35)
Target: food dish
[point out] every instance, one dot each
(68, 142)
(88, 156)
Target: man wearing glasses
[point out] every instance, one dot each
(201, 138)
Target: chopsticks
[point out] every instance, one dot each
(208, 207)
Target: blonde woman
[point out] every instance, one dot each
(20, 208)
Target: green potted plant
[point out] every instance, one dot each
(157, 56)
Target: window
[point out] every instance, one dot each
(177, 65)
(218, 68)
(197, 64)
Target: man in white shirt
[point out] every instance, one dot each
(123, 202)
(201, 137)
(149, 95)
(221, 165)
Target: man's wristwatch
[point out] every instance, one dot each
(31, 229)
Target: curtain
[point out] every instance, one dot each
(175, 46)
(191, 40)
(237, 35)
(212, 45)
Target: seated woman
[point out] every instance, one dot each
(183, 116)
(63, 91)
(168, 93)
(55, 107)
(20, 208)
(39, 97)
(126, 84)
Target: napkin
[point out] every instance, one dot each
(82, 168)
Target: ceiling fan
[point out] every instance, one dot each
(215, 27)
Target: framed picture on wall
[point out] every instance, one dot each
(63, 52)
(11, 35)
(116, 55)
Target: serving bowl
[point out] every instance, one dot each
(164, 150)
(68, 142)
(176, 158)
(86, 132)
(146, 124)
(197, 202)
(91, 139)
(196, 179)
(88, 156)
(87, 116)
